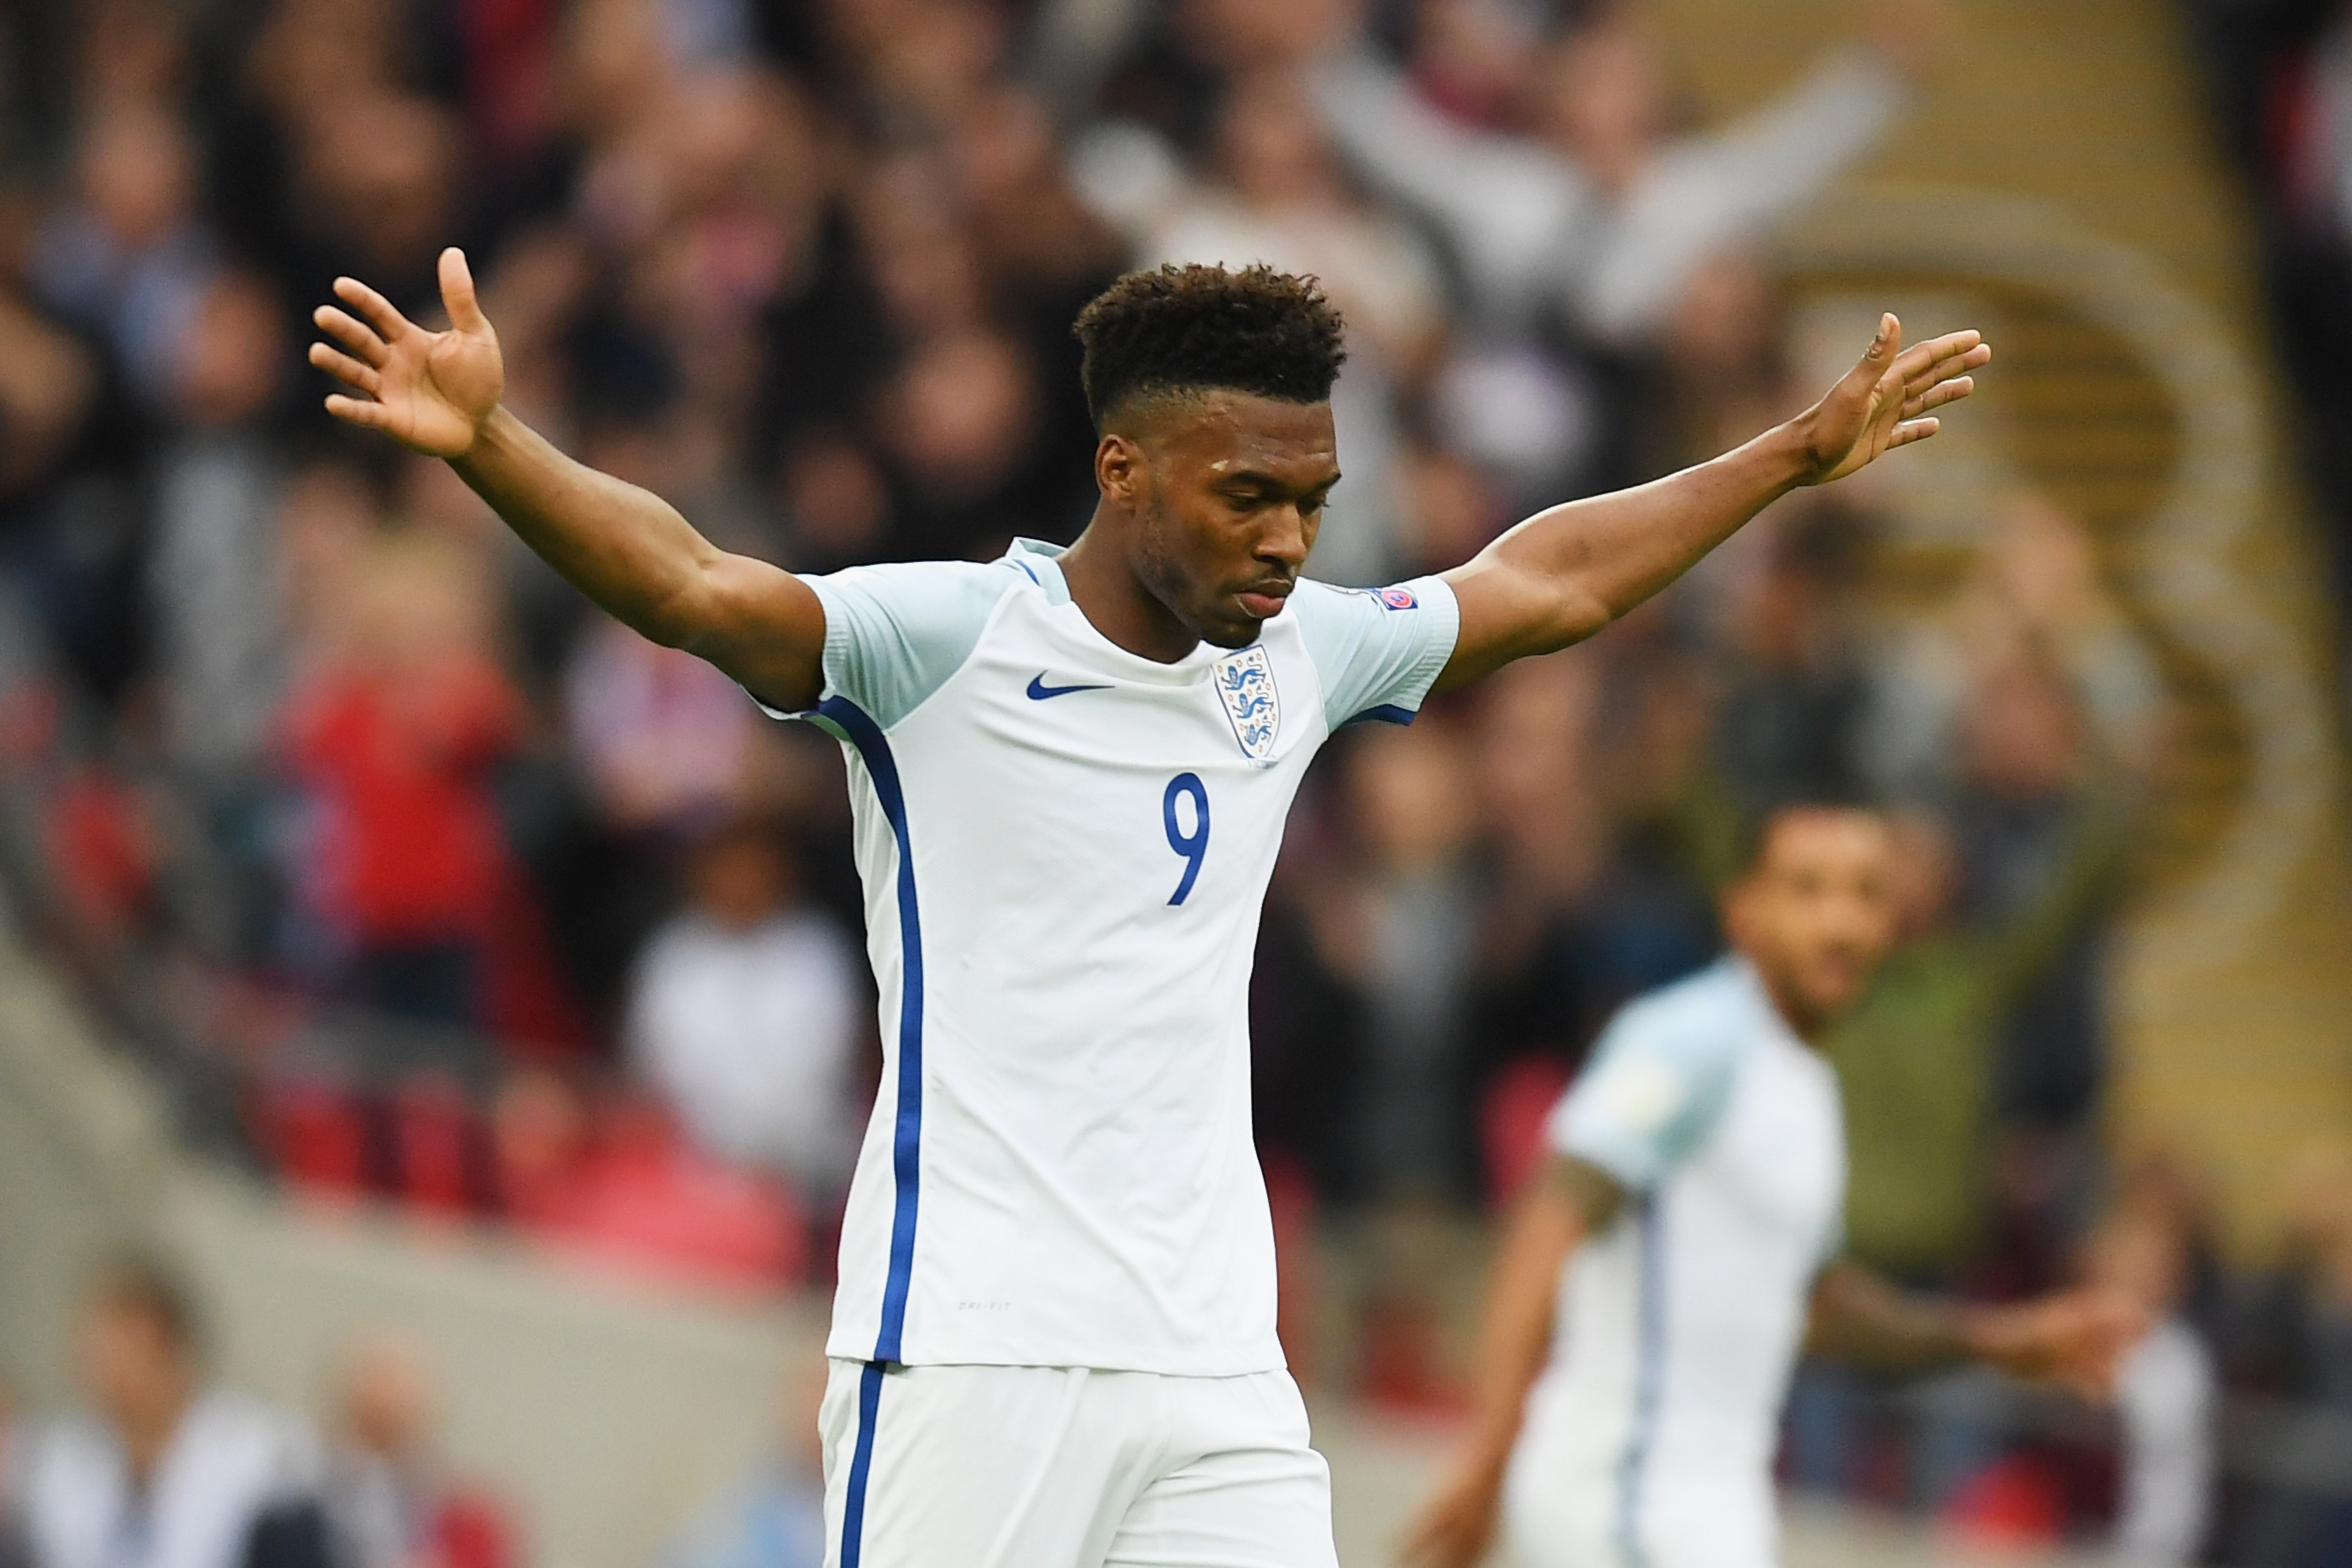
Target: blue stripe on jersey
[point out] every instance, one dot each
(1649, 1380)
(861, 1461)
(852, 723)
(1386, 713)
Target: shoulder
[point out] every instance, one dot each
(1702, 1019)
(933, 587)
(1375, 650)
(894, 633)
(1659, 1078)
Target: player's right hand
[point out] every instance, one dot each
(432, 392)
(2075, 1339)
(1456, 1525)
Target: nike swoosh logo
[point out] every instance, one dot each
(1039, 691)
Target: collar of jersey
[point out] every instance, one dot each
(1751, 985)
(1041, 560)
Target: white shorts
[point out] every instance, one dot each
(1020, 1467)
(1555, 1516)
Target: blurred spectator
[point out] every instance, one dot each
(2016, 818)
(2295, 1345)
(1546, 990)
(388, 1500)
(48, 385)
(1411, 926)
(1604, 215)
(1916, 1059)
(160, 1470)
(2280, 73)
(129, 258)
(774, 1517)
(2166, 1391)
(214, 564)
(748, 1015)
(539, 1135)
(664, 736)
(1785, 729)
(2301, 1343)
(389, 733)
(2036, 585)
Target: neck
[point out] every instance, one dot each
(1105, 587)
(1803, 1022)
(147, 1433)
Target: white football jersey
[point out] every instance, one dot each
(1650, 1438)
(1064, 846)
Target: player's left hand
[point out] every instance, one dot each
(2074, 1338)
(1883, 402)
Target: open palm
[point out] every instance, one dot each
(429, 390)
(1884, 402)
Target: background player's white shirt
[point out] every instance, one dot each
(1064, 846)
(1650, 1438)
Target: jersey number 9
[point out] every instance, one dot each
(1193, 845)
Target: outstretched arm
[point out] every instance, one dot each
(627, 549)
(2073, 1338)
(1564, 573)
(1568, 1201)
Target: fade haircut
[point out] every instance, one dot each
(1755, 826)
(1197, 329)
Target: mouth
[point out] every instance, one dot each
(1263, 601)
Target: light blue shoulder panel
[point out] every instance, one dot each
(1660, 1076)
(893, 633)
(1377, 651)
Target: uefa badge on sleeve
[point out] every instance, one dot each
(1398, 598)
(1246, 685)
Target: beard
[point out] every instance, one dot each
(1178, 593)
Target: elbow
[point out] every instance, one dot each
(680, 616)
(1576, 613)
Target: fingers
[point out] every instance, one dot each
(1936, 397)
(360, 339)
(388, 322)
(457, 295)
(1885, 343)
(1939, 357)
(1912, 431)
(1945, 368)
(352, 372)
(356, 411)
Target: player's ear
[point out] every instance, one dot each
(1120, 466)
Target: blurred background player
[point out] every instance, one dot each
(1662, 1274)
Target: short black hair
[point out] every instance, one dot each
(1192, 327)
(1757, 822)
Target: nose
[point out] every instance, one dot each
(1286, 537)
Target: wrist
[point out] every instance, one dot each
(493, 432)
(1980, 1333)
(1791, 452)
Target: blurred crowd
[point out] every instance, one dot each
(419, 880)
(2279, 81)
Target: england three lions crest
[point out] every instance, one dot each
(1246, 685)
